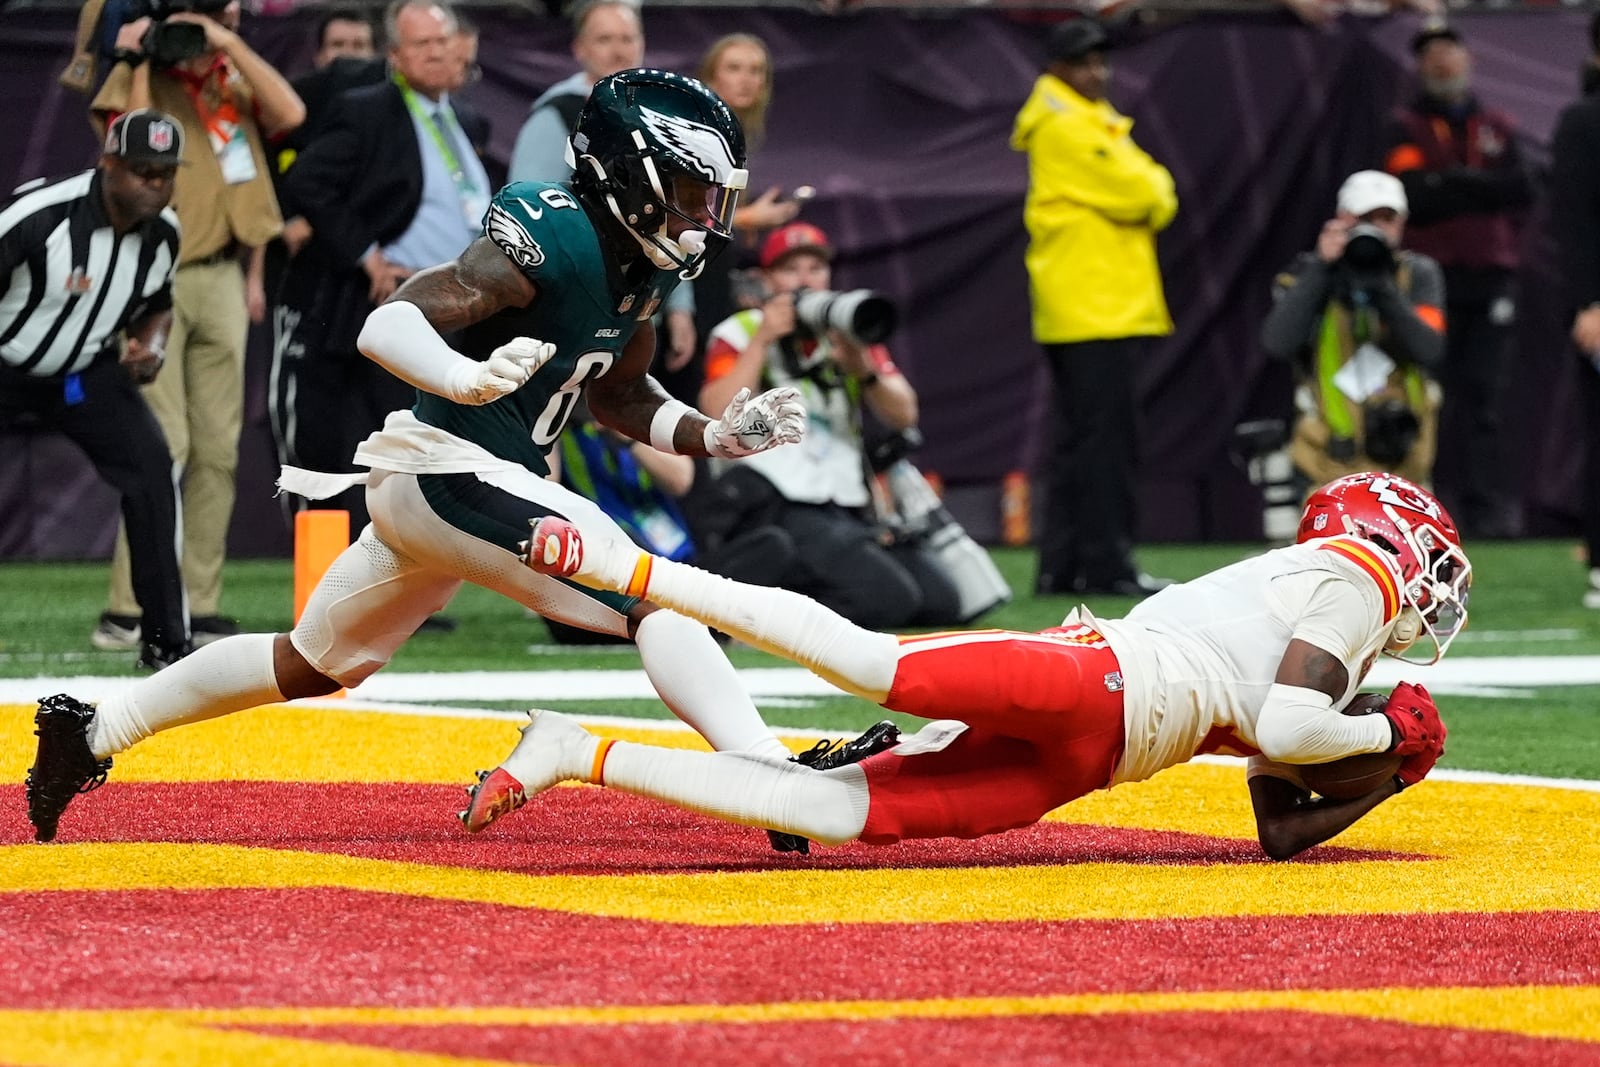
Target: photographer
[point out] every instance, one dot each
(186, 58)
(817, 493)
(1363, 324)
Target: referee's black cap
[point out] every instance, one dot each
(146, 135)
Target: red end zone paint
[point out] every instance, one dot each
(1132, 1040)
(567, 831)
(239, 948)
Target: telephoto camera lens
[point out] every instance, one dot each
(860, 314)
(1367, 249)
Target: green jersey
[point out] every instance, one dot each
(583, 307)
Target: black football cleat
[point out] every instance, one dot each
(63, 766)
(825, 755)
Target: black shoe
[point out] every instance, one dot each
(209, 628)
(64, 766)
(437, 624)
(825, 755)
(159, 657)
(1138, 587)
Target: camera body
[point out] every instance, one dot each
(167, 43)
(860, 314)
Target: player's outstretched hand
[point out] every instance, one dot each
(506, 370)
(1414, 721)
(751, 425)
(1415, 768)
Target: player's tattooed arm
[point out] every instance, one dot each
(1290, 820)
(1309, 667)
(627, 398)
(475, 285)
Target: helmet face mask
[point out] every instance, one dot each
(664, 157)
(1417, 535)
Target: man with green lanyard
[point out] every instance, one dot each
(390, 186)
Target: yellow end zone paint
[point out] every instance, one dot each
(1498, 847)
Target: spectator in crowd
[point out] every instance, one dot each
(391, 186)
(228, 100)
(474, 124)
(1095, 202)
(344, 59)
(1575, 223)
(554, 299)
(607, 36)
(818, 494)
(1468, 188)
(104, 239)
(738, 68)
(1362, 322)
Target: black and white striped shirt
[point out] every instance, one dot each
(68, 283)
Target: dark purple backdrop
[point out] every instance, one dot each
(901, 123)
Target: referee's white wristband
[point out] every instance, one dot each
(665, 425)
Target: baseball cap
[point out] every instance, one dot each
(1071, 41)
(146, 136)
(1434, 31)
(1369, 190)
(794, 237)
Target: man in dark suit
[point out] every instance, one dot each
(390, 185)
(1575, 223)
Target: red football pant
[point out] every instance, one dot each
(1044, 717)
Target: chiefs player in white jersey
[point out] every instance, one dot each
(1253, 659)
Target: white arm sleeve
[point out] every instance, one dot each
(1300, 726)
(399, 338)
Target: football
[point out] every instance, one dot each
(1353, 776)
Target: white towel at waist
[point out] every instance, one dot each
(405, 445)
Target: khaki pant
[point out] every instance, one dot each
(1309, 452)
(199, 400)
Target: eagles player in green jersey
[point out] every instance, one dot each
(554, 299)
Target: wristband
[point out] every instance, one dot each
(664, 426)
(131, 56)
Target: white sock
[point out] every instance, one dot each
(826, 806)
(786, 624)
(701, 687)
(227, 675)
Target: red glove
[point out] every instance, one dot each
(1414, 769)
(1415, 722)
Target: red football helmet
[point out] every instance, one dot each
(1416, 532)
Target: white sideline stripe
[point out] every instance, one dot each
(1467, 675)
(1472, 637)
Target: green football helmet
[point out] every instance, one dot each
(650, 146)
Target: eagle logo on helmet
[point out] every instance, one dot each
(700, 146)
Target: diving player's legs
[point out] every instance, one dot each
(469, 525)
(784, 623)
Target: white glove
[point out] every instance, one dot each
(776, 417)
(506, 370)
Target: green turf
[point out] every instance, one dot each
(1525, 601)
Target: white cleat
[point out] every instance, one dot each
(553, 748)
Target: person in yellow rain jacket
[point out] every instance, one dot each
(1095, 202)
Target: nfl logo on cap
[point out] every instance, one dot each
(146, 136)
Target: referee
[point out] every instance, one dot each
(86, 266)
